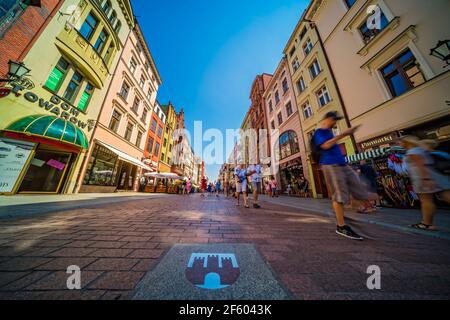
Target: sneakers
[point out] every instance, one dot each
(347, 232)
(256, 206)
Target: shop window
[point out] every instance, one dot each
(102, 168)
(149, 146)
(115, 121)
(101, 41)
(73, 87)
(57, 75)
(289, 110)
(124, 90)
(323, 96)
(288, 144)
(402, 74)
(314, 69)
(139, 139)
(370, 32)
(85, 97)
(88, 27)
(129, 131)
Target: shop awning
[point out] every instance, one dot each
(125, 157)
(50, 127)
(163, 175)
(366, 155)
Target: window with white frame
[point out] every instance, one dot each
(133, 65)
(314, 69)
(301, 85)
(307, 110)
(307, 47)
(373, 26)
(323, 96)
(295, 64)
(124, 90)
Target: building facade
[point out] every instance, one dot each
(380, 53)
(49, 122)
(316, 93)
(288, 152)
(168, 140)
(114, 160)
(154, 140)
(15, 40)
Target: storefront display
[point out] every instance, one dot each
(14, 156)
(102, 168)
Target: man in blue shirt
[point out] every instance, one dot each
(341, 179)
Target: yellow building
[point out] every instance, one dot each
(168, 142)
(315, 91)
(49, 126)
(390, 83)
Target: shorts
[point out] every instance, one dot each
(343, 182)
(256, 186)
(241, 187)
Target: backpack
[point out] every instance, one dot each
(316, 151)
(441, 162)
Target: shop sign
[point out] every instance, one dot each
(60, 108)
(4, 92)
(14, 155)
(379, 141)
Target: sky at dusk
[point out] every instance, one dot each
(208, 53)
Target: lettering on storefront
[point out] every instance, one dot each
(58, 107)
(387, 139)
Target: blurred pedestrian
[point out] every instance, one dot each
(342, 180)
(273, 187)
(218, 188)
(240, 175)
(426, 179)
(254, 171)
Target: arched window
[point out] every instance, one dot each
(113, 17)
(288, 144)
(106, 7)
(117, 27)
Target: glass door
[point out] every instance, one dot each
(46, 172)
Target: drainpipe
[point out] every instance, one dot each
(344, 109)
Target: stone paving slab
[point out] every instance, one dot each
(168, 281)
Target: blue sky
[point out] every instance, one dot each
(208, 52)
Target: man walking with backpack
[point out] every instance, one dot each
(341, 179)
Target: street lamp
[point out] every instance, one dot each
(17, 69)
(442, 51)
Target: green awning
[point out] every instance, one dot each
(50, 127)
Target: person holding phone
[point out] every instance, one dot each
(341, 179)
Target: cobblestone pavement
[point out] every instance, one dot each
(116, 244)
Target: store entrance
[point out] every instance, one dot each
(47, 172)
(127, 176)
